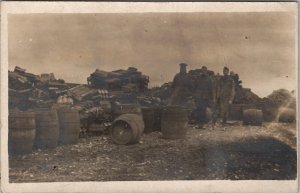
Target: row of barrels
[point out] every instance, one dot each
(270, 114)
(42, 129)
(256, 116)
(172, 122)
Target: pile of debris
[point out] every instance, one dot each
(94, 101)
(245, 96)
(163, 92)
(282, 98)
(126, 80)
(105, 92)
(27, 90)
(277, 100)
(30, 91)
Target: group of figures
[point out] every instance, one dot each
(216, 92)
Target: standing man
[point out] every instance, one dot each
(225, 91)
(203, 94)
(235, 77)
(181, 87)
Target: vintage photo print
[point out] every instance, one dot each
(149, 97)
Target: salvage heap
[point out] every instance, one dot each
(104, 95)
(118, 102)
(27, 90)
(126, 80)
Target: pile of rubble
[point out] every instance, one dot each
(282, 98)
(95, 101)
(105, 92)
(27, 90)
(126, 80)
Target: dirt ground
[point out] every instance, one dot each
(233, 152)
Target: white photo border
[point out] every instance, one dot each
(130, 186)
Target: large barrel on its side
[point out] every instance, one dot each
(174, 122)
(127, 129)
(252, 117)
(21, 132)
(287, 115)
(148, 118)
(69, 125)
(47, 129)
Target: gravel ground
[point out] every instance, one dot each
(233, 152)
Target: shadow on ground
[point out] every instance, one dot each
(231, 154)
(262, 158)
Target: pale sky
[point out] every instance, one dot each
(260, 47)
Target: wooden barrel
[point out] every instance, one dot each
(47, 129)
(252, 117)
(69, 125)
(127, 129)
(174, 122)
(148, 118)
(21, 132)
(287, 115)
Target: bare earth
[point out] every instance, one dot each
(235, 152)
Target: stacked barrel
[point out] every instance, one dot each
(21, 133)
(42, 129)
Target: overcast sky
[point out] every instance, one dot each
(260, 47)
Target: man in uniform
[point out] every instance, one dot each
(181, 87)
(235, 77)
(203, 94)
(225, 91)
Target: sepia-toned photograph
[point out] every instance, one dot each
(151, 96)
